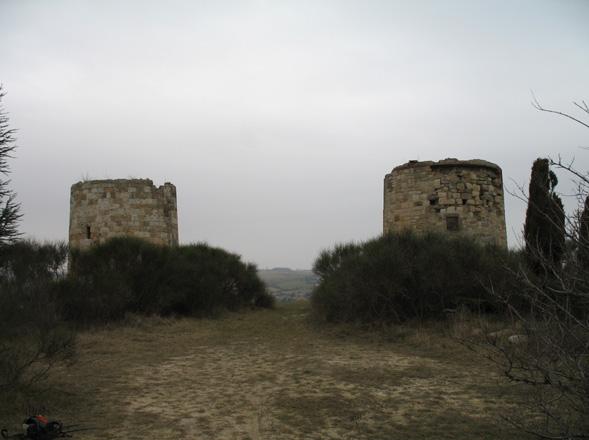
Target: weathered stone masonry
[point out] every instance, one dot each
(102, 209)
(454, 196)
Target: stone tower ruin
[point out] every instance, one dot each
(452, 196)
(102, 209)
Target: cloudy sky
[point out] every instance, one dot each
(277, 120)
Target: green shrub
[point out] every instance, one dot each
(129, 275)
(200, 279)
(403, 276)
(32, 335)
(107, 281)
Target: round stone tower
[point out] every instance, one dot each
(452, 196)
(102, 209)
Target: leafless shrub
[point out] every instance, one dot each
(549, 348)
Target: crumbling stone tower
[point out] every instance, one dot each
(102, 209)
(453, 196)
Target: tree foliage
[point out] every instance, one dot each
(583, 236)
(544, 230)
(9, 208)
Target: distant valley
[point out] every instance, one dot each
(289, 285)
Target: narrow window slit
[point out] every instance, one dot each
(452, 223)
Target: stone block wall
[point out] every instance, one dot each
(451, 196)
(102, 209)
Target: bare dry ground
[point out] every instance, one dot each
(273, 375)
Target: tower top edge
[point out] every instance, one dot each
(450, 162)
(115, 182)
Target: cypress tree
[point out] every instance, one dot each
(557, 225)
(583, 237)
(545, 219)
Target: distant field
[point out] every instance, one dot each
(287, 284)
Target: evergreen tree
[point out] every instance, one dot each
(545, 219)
(583, 237)
(9, 209)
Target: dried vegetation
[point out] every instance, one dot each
(274, 374)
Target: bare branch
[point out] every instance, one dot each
(536, 104)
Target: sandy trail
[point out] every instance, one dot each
(271, 375)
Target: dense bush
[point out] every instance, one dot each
(403, 276)
(32, 335)
(130, 275)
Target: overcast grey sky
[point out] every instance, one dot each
(277, 120)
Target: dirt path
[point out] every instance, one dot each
(271, 375)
